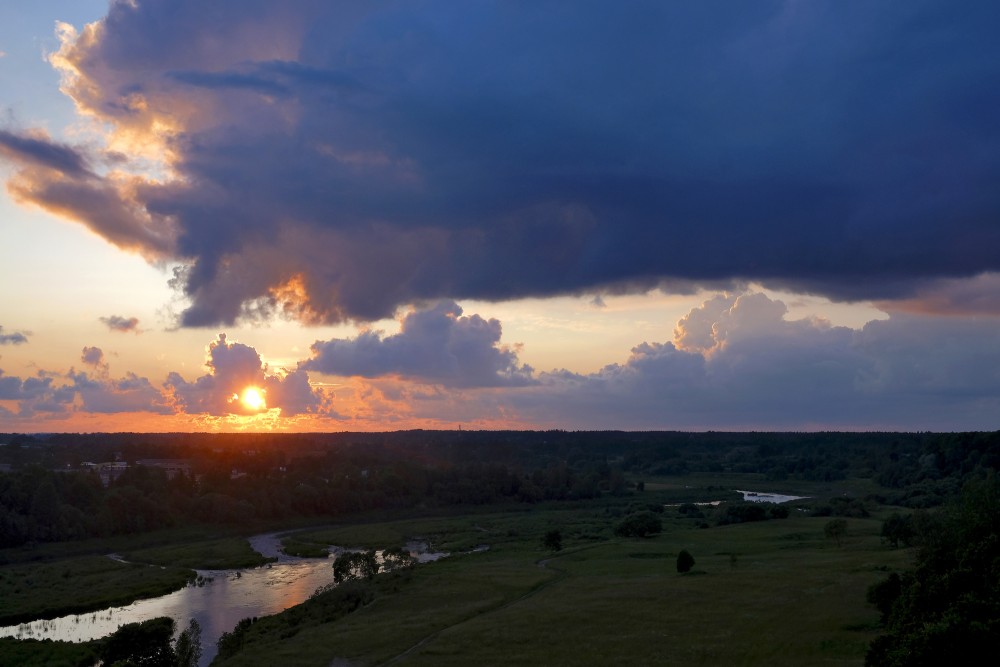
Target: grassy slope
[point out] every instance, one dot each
(793, 597)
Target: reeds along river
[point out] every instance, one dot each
(218, 601)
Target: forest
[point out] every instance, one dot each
(237, 479)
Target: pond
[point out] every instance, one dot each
(218, 602)
(760, 497)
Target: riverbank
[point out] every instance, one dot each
(79, 585)
(57, 586)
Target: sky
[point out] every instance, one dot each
(311, 216)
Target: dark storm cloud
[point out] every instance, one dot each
(435, 345)
(43, 153)
(55, 177)
(15, 338)
(121, 324)
(336, 160)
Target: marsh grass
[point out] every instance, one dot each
(56, 581)
(293, 546)
(78, 585)
(217, 554)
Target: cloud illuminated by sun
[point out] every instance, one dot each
(253, 399)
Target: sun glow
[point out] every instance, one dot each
(253, 398)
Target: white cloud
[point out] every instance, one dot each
(436, 344)
(232, 368)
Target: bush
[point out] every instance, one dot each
(640, 524)
(685, 561)
(553, 540)
(146, 643)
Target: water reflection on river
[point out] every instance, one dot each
(218, 605)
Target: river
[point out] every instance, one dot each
(218, 603)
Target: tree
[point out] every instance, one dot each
(685, 561)
(898, 529)
(553, 540)
(640, 524)
(397, 559)
(947, 609)
(231, 643)
(355, 565)
(343, 567)
(835, 529)
(145, 644)
(188, 645)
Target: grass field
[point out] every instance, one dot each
(787, 597)
(771, 593)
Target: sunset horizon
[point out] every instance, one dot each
(324, 217)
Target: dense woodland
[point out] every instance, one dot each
(238, 479)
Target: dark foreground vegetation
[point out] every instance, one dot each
(597, 523)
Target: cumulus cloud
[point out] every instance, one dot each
(437, 344)
(122, 324)
(93, 356)
(15, 338)
(36, 394)
(58, 395)
(737, 362)
(105, 395)
(317, 165)
(232, 369)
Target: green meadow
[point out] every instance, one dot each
(768, 593)
(775, 592)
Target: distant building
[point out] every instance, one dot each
(108, 472)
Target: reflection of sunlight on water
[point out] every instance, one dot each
(218, 604)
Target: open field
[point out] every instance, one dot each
(769, 593)
(788, 596)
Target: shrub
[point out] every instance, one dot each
(640, 524)
(685, 561)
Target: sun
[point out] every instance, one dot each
(253, 398)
